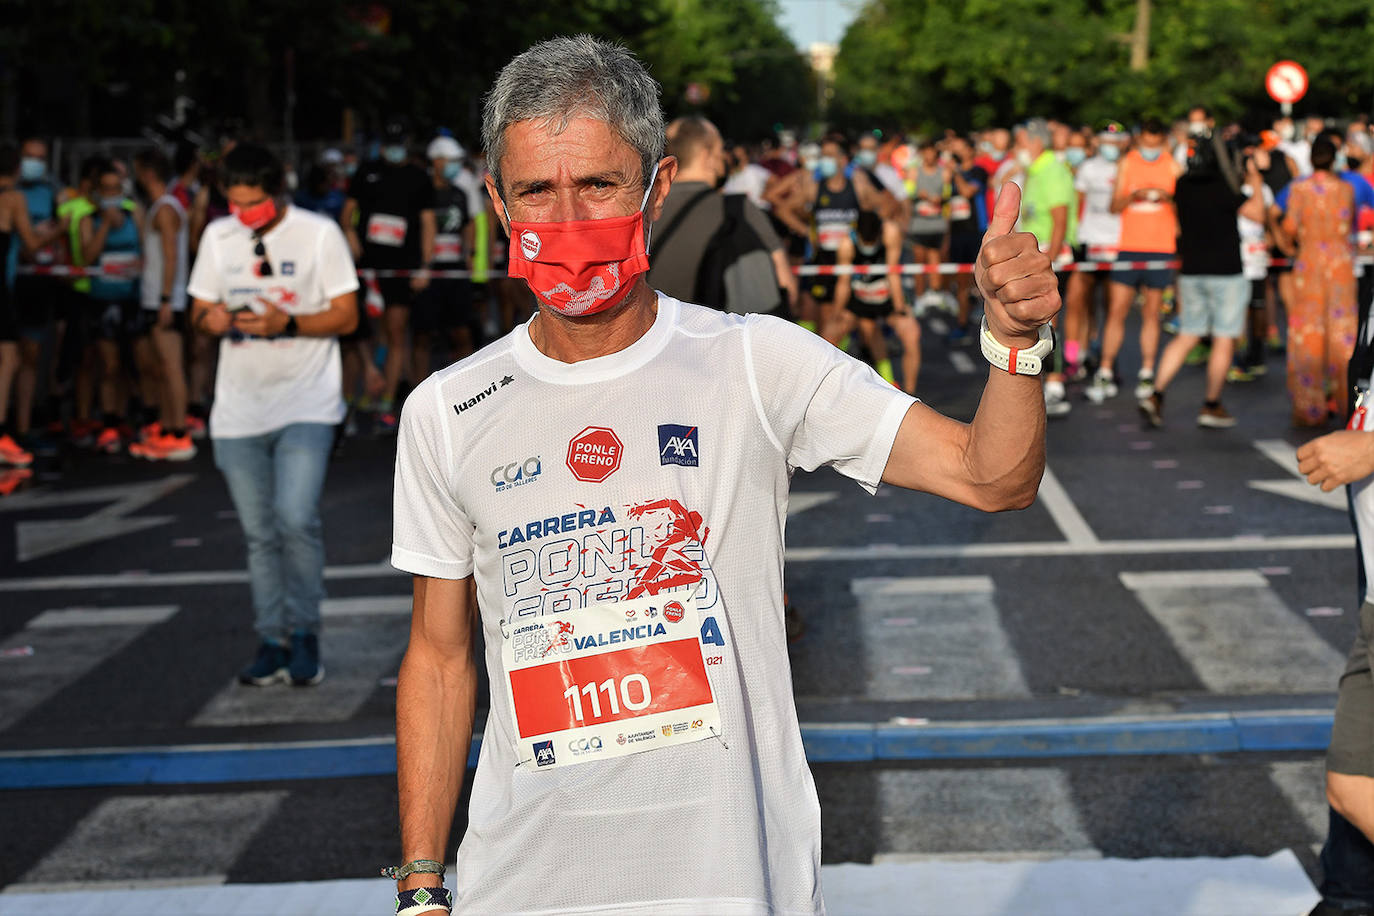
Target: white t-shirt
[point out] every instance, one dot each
(1300, 151)
(751, 182)
(1254, 251)
(714, 826)
(1096, 181)
(263, 385)
(151, 294)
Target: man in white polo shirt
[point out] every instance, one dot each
(277, 284)
(604, 492)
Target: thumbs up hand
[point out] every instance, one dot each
(1020, 290)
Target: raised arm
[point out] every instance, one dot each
(437, 684)
(995, 462)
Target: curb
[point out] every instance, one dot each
(849, 742)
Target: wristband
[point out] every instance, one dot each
(414, 867)
(1016, 361)
(424, 900)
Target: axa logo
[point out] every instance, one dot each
(543, 753)
(516, 474)
(678, 445)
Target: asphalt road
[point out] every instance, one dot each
(1162, 572)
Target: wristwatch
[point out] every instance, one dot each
(291, 330)
(1028, 361)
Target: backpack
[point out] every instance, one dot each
(736, 271)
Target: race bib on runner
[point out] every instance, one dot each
(1102, 252)
(609, 680)
(960, 209)
(448, 247)
(831, 235)
(927, 209)
(116, 264)
(385, 229)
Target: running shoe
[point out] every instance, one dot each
(109, 441)
(1274, 342)
(149, 431)
(1056, 402)
(305, 668)
(1215, 418)
(12, 455)
(1152, 409)
(386, 423)
(269, 667)
(164, 448)
(1237, 374)
(1103, 386)
(1198, 355)
(1144, 384)
(11, 478)
(195, 427)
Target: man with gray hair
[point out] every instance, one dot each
(603, 491)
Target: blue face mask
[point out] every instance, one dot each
(1150, 155)
(828, 166)
(1341, 164)
(452, 170)
(866, 158)
(1109, 151)
(1075, 155)
(31, 169)
(394, 154)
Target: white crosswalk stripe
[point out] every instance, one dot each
(142, 837)
(362, 641)
(1236, 632)
(58, 647)
(935, 637)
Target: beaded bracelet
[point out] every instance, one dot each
(416, 867)
(424, 900)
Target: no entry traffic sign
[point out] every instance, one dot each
(1286, 82)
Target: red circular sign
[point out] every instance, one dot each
(594, 454)
(673, 612)
(1286, 81)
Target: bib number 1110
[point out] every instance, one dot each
(614, 697)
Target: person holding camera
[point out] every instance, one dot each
(277, 285)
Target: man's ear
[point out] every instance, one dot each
(496, 204)
(667, 171)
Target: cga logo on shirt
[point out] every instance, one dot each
(530, 244)
(516, 474)
(678, 445)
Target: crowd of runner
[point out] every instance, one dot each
(95, 351)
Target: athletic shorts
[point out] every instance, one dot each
(111, 319)
(9, 321)
(963, 247)
(35, 300)
(143, 323)
(1257, 295)
(1211, 304)
(822, 289)
(441, 306)
(1153, 278)
(395, 291)
(875, 312)
(934, 240)
(1352, 739)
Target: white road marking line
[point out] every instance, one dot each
(132, 838)
(104, 617)
(1303, 783)
(356, 650)
(801, 501)
(1061, 508)
(41, 537)
(370, 604)
(954, 649)
(962, 362)
(1286, 456)
(1236, 632)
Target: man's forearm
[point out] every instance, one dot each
(1005, 454)
(435, 702)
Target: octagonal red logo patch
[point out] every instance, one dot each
(594, 454)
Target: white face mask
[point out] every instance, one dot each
(1023, 156)
(1286, 132)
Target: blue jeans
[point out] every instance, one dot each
(275, 481)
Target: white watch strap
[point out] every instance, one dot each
(1029, 361)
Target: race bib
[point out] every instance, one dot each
(927, 209)
(960, 209)
(831, 235)
(872, 293)
(448, 247)
(385, 229)
(1102, 252)
(609, 680)
(117, 264)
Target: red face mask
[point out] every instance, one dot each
(256, 216)
(581, 267)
